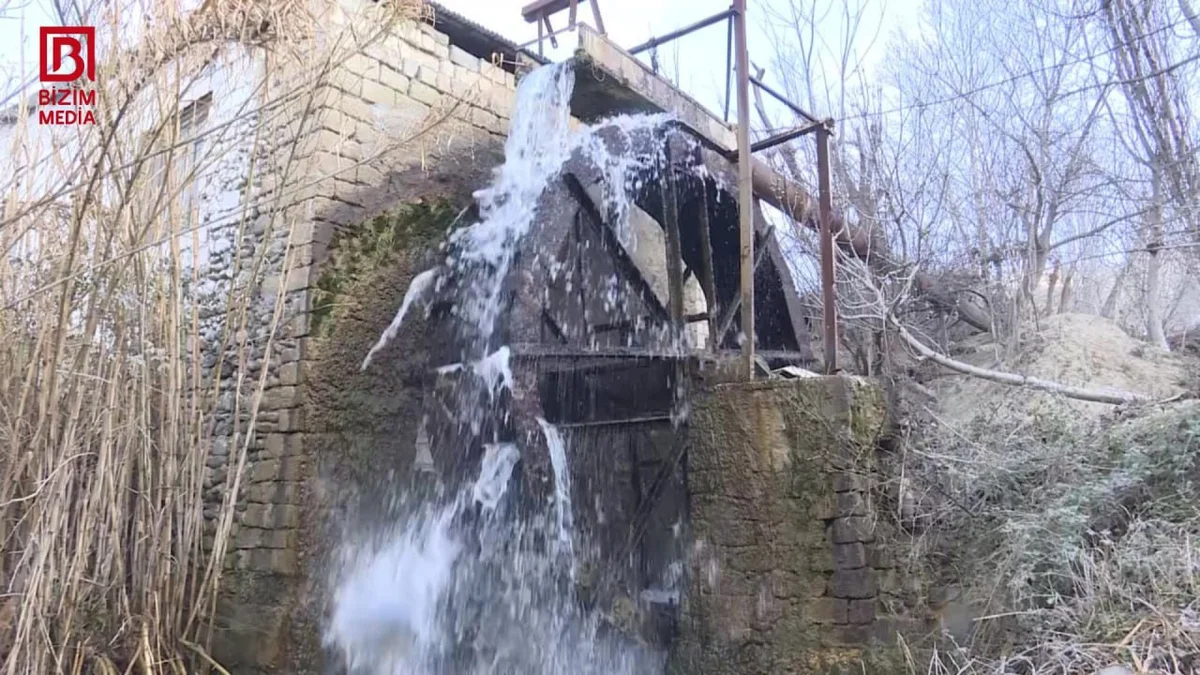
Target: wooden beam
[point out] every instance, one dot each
(727, 315)
(539, 8)
(630, 421)
(708, 282)
(541, 350)
(553, 327)
(674, 251)
(609, 240)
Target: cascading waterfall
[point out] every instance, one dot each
(562, 484)
(473, 583)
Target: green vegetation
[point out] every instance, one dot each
(360, 252)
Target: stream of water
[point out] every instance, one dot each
(473, 582)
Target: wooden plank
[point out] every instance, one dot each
(674, 252)
(534, 11)
(708, 279)
(615, 249)
(610, 80)
(538, 350)
(632, 356)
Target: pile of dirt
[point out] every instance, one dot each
(1076, 349)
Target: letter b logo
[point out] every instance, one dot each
(67, 53)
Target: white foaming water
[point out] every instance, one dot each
(494, 472)
(479, 586)
(562, 481)
(417, 289)
(391, 587)
(536, 148)
(495, 371)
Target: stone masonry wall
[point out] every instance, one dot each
(786, 572)
(392, 118)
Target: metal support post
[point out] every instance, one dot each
(828, 290)
(745, 188)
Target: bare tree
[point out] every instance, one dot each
(1156, 130)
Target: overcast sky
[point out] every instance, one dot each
(700, 56)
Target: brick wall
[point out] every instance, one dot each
(388, 119)
(787, 574)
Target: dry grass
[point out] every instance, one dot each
(105, 420)
(1078, 543)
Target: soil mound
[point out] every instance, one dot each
(1076, 349)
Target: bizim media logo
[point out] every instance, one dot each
(67, 55)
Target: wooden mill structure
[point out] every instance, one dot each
(596, 345)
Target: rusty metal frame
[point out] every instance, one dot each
(542, 36)
(728, 69)
(735, 17)
(783, 99)
(686, 30)
(745, 187)
(784, 137)
(822, 129)
(547, 32)
(828, 287)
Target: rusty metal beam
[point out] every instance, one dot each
(781, 138)
(542, 35)
(828, 289)
(686, 30)
(783, 99)
(745, 186)
(728, 69)
(778, 139)
(596, 16)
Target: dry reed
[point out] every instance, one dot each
(106, 419)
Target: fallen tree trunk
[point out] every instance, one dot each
(864, 243)
(1079, 393)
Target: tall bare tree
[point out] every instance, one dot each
(1157, 131)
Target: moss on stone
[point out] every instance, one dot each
(361, 251)
(868, 413)
(765, 466)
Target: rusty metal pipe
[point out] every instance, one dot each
(686, 30)
(745, 185)
(828, 290)
(864, 243)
